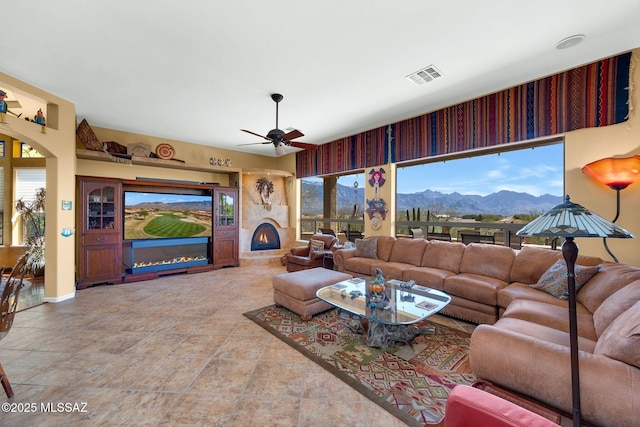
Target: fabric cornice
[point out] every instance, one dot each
(593, 95)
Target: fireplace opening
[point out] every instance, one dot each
(265, 237)
(149, 255)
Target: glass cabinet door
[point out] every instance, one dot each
(101, 208)
(225, 210)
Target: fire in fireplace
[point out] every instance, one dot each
(265, 237)
(145, 256)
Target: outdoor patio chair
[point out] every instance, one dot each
(417, 233)
(446, 237)
(327, 231)
(352, 235)
(476, 238)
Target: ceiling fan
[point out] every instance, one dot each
(278, 137)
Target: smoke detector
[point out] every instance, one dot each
(425, 75)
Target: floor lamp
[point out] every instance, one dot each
(570, 220)
(617, 174)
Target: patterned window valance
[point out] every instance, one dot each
(589, 96)
(354, 152)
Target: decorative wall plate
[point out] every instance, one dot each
(376, 222)
(165, 151)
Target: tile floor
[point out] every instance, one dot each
(174, 351)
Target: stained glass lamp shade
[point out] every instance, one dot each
(569, 219)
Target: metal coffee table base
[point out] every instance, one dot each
(381, 335)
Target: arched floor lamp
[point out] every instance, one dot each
(570, 220)
(617, 174)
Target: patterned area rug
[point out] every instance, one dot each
(410, 382)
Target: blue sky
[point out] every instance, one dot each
(535, 171)
(133, 198)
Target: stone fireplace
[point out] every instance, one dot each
(265, 216)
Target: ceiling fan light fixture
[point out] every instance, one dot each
(570, 41)
(280, 150)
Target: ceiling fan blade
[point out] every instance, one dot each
(256, 134)
(255, 143)
(303, 145)
(292, 135)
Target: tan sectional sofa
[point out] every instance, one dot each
(522, 342)
(474, 275)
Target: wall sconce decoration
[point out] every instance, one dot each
(265, 188)
(617, 174)
(377, 206)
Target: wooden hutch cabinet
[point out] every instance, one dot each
(225, 227)
(100, 238)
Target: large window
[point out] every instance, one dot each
(344, 212)
(26, 182)
(507, 187)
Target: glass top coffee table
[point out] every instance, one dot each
(391, 320)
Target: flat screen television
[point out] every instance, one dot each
(149, 215)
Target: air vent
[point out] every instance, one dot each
(425, 75)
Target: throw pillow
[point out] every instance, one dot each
(367, 248)
(621, 340)
(316, 245)
(554, 280)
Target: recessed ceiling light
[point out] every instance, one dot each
(570, 41)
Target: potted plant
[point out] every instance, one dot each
(33, 221)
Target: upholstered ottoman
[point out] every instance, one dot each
(297, 291)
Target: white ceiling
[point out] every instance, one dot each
(201, 70)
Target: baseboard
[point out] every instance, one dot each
(61, 298)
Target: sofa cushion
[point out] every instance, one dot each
(552, 316)
(611, 278)
(427, 276)
(443, 255)
(408, 251)
(545, 334)
(615, 305)
(367, 248)
(360, 265)
(518, 290)
(474, 287)
(531, 262)
(488, 260)
(621, 340)
(316, 245)
(327, 239)
(393, 270)
(385, 245)
(554, 280)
